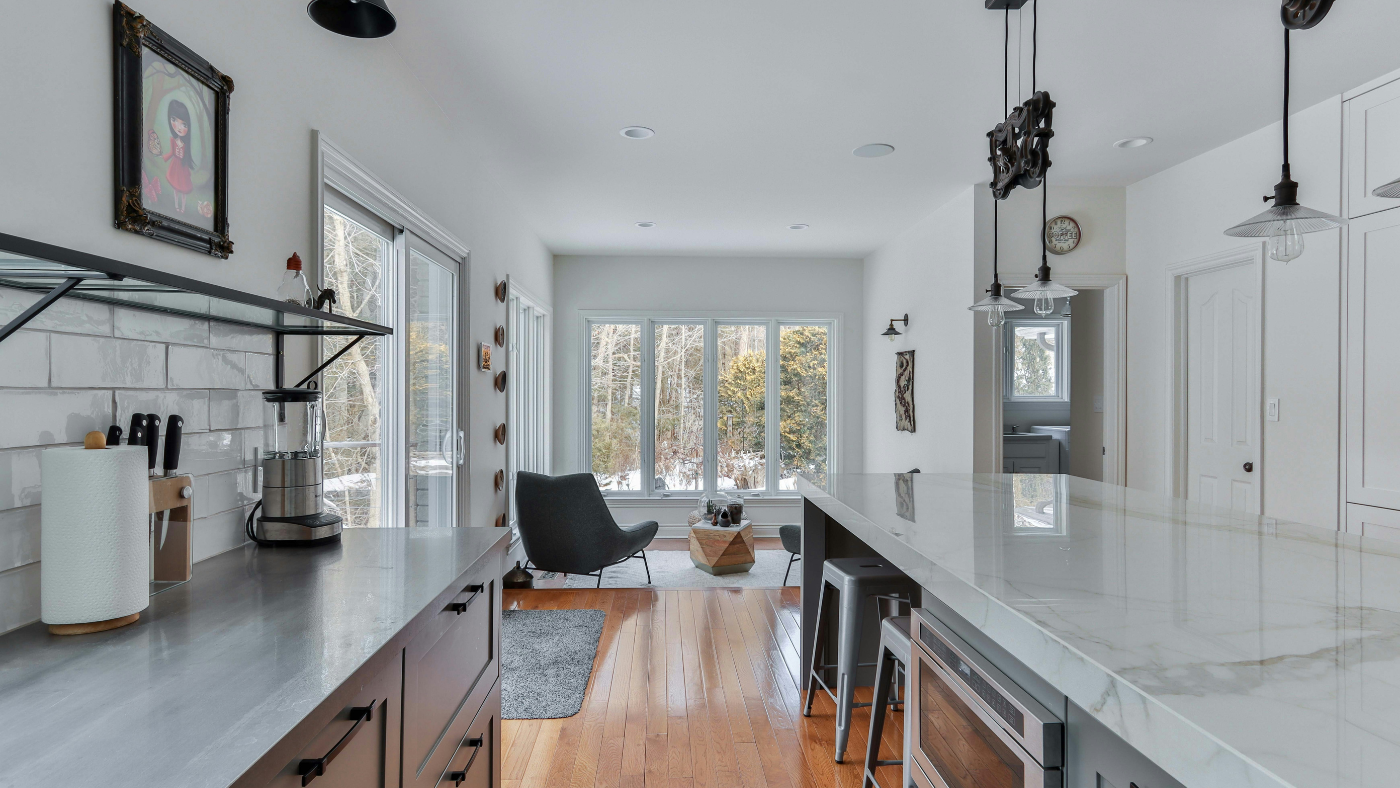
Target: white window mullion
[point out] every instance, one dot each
(771, 403)
(709, 429)
(648, 436)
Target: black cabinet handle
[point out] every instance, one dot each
(461, 607)
(311, 768)
(459, 776)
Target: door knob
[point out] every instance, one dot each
(1249, 467)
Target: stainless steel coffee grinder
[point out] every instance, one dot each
(293, 433)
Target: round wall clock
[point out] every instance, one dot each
(1061, 234)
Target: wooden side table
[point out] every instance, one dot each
(722, 551)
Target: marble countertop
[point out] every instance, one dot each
(219, 669)
(1231, 650)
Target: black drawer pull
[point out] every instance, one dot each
(311, 768)
(459, 776)
(461, 607)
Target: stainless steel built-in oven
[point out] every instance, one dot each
(972, 726)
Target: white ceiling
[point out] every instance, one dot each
(757, 104)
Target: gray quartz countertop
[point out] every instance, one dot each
(1232, 650)
(219, 669)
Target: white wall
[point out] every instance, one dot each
(754, 286)
(926, 271)
(290, 77)
(1181, 214)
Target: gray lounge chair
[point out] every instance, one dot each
(565, 526)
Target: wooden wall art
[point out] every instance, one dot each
(500, 336)
(500, 434)
(904, 391)
(499, 480)
(501, 380)
(501, 291)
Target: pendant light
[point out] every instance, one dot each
(353, 18)
(1044, 289)
(1391, 190)
(1286, 222)
(995, 304)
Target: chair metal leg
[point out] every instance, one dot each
(816, 653)
(600, 578)
(883, 680)
(847, 662)
(791, 559)
(645, 565)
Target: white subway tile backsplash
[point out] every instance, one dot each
(235, 409)
(24, 360)
(218, 534)
(19, 588)
(231, 336)
(93, 362)
(211, 452)
(19, 538)
(205, 368)
(219, 492)
(19, 481)
(140, 324)
(69, 315)
(193, 406)
(46, 417)
(261, 371)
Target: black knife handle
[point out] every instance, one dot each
(152, 440)
(114, 435)
(174, 429)
(137, 435)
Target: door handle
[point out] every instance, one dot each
(1249, 467)
(458, 777)
(311, 768)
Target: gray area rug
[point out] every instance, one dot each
(546, 658)
(673, 569)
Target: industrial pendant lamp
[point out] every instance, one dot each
(1044, 290)
(1391, 190)
(354, 18)
(1287, 222)
(995, 304)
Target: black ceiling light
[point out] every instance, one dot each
(995, 304)
(354, 18)
(1286, 222)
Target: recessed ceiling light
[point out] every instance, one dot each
(1133, 142)
(797, 226)
(637, 132)
(646, 224)
(873, 151)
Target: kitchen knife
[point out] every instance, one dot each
(137, 435)
(152, 441)
(174, 430)
(114, 435)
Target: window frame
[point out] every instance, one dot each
(1062, 360)
(774, 323)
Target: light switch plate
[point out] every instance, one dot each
(1271, 408)
(1098, 403)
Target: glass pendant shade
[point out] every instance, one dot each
(996, 306)
(1390, 190)
(1046, 288)
(1282, 219)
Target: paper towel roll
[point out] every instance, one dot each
(94, 540)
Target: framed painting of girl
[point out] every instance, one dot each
(172, 111)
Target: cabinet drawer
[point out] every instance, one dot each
(357, 749)
(451, 659)
(476, 755)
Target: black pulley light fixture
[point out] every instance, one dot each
(354, 18)
(1287, 222)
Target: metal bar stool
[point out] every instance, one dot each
(792, 542)
(854, 580)
(895, 648)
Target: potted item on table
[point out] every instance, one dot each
(722, 519)
(736, 510)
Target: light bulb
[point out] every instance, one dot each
(890, 337)
(1044, 304)
(1287, 243)
(996, 317)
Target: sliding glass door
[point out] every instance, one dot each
(434, 453)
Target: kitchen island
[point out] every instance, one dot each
(260, 663)
(1225, 649)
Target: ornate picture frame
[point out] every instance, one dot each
(904, 391)
(171, 135)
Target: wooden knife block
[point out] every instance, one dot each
(175, 558)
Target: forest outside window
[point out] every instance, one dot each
(1037, 360)
(680, 405)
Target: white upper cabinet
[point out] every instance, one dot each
(1373, 361)
(1373, 149)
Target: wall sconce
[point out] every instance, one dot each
(893, 332)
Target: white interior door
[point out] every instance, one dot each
(1223, 371)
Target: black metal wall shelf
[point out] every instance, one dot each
(64, 273)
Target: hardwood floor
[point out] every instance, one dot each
(690, 689)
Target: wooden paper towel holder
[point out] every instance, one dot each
(174, 559)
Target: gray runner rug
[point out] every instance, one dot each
(546, 658)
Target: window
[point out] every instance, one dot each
(527, 391)
(1037, 360)
(685, 404)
